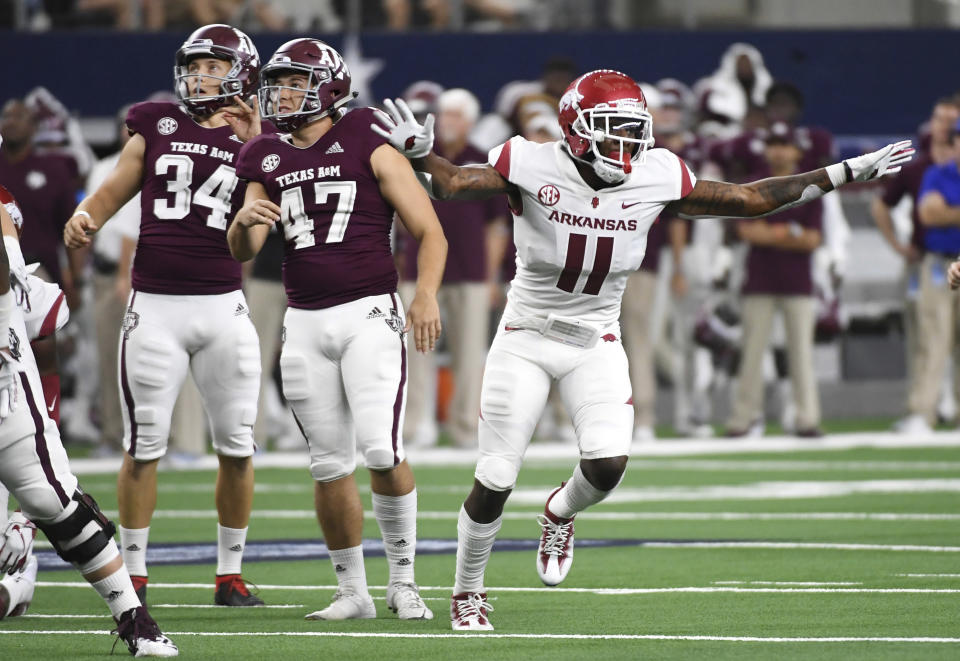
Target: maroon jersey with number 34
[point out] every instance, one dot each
(189, 195)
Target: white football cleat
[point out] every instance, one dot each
(555, 553)
(468, 612)
(346, 606)
(404, 599)
(19, 589)
(142, 636)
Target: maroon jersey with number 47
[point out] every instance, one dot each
(189, 195)
(335, 223)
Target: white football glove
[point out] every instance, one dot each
(16, 543)
(401, 129)
(888, 160)
(9, 386)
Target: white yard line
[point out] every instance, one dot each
(794, 583)
(600, 516)
(929, 575)
(767, 490)
(533, 636)
(596, 591)
(563, 453)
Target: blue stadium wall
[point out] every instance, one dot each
(856, 82)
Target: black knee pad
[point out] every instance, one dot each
(66, 533)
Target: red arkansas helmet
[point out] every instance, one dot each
(10, 204)
(595, 106)
(327, 90)
(223, 43)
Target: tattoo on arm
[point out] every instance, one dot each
(462, 182)
(760, 198)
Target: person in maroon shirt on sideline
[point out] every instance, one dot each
(743, 156)
(779, 278)
(464, 296)
(186, 310)
(907, 183)
(45, 186)
(331, 186)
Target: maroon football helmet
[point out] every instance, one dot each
(594, 106)
(223, 43)
(327, 89)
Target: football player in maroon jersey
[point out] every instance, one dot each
(331, 186)
(186, 309)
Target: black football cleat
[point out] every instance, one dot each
(232, 591)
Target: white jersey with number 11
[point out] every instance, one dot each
(577, 246)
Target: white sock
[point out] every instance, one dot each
(117, 590)
(230, 543)
(15, 589)
(576, 495)
(133, 547)
(474, 544)
(348, 565)
(397, 518)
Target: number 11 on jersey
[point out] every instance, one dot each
(573, 267)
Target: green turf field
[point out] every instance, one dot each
(817, 554)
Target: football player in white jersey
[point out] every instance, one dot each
(582, 207)
(33, 466)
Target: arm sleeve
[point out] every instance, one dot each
(138, 118)
(687, 179)
(931, 182)
(248, 163)
(501, 158)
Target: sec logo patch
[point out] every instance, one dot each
(548, 195)
(166, 125)
(270, 163)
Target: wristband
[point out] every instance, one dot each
(839, 174)
(81, 212)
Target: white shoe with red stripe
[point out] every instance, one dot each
(555, 553)
(468, 612)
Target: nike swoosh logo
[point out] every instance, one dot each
(53, 405)
(627, 206)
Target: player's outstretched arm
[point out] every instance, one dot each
(444, 180)
(250, 227)
(768, 196)
(115, 191)
(398, 185)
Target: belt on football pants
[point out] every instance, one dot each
(565, 330)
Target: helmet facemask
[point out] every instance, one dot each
(310, 102)
(624, 123)
(229, 85)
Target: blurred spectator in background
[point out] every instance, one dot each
(45, 185)
(519, 99)
(111, 288)
(58, 132)
(778, 278)
(938, 306)
(464, 296)
(693, 245)
(638, 322)
(910, 245)
(730, 98)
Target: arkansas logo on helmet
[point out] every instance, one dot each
(290, 104)
(221, 42)
(606, 108)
